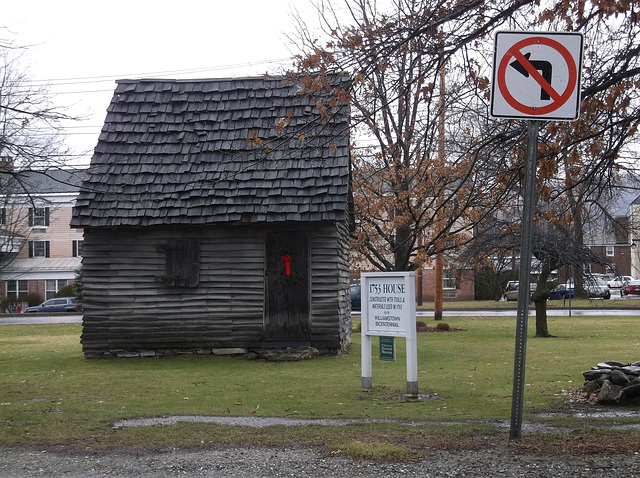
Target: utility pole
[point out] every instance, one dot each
(437, 305)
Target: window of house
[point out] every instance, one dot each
(448, 279)
(52, 286)
(17, 288)
(182, 263)
(39, 217)
(77, 248)
(3, 216)
(450, 245)
(611, 251)
(38, 248)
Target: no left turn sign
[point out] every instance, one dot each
(537, 75)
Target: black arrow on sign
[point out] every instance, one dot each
(541, 65)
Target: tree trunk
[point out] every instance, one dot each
(402, 250)
(578, 272)
(540, 297)
(542, 329)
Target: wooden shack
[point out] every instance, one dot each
(216, 217)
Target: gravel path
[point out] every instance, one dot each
(499, 459)
(495, 457)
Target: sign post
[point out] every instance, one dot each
(536, 76)
(389, 310)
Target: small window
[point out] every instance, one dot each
(17, 288)
(611, 251)
(448, 279)
(38, 248)
(39, 217)
(3, 216)
(182, 263)
(77, 248)
(52, 287)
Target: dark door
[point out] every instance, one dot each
(287, 275)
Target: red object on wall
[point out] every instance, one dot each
(287, 263)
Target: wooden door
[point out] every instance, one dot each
(287, 276)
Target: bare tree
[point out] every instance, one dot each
(420, 182)
(412, 201)
(31, 144)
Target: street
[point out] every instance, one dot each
(37, 319)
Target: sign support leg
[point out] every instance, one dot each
(412, 364)
(365, 357)
(525, 279)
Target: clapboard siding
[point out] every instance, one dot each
(330, 318)
(129, 310)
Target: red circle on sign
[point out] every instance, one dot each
(559, 100)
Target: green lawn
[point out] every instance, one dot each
(50, 394)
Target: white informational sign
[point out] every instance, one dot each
(537, 75)
(388, 304)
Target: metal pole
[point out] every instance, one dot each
(525, 279)
(438, 293)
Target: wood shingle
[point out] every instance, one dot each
(173, 150)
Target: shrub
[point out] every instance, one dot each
(9, 305)
(78, 285)
(443, 327)
(32, 299)
(66, 291)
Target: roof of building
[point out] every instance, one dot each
(38, 268)
(48, 181)
(217, 151)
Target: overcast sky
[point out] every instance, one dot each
(80, 47)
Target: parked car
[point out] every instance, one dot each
(561, 291)
(603, 277)
(619, 281)
(632, 288)
(512, 290)
(596, 288)
(355, 297)
(510, 285)
(59, 304)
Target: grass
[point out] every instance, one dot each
(51, 395)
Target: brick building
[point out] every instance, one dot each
(39, 252)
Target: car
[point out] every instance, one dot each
(596, 288)
(511, 293)
(632, 288)
(59, 304)
(603, 277)
(561, 291)
(512, 290)
(355, 296)
(619, 281)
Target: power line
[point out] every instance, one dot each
(102, 79)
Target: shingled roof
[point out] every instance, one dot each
(176, 152)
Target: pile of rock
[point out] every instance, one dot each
(614, 383)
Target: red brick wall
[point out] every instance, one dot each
(464, 290)
(621, 258)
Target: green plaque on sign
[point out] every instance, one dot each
(388, 348)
